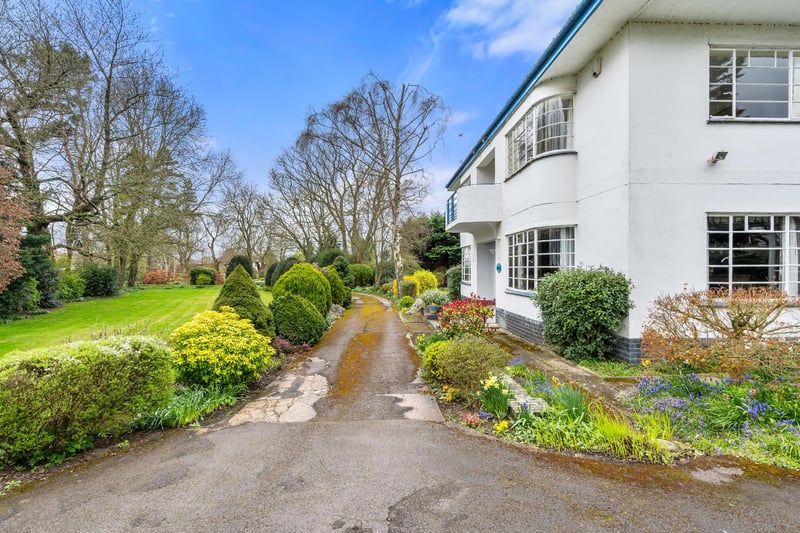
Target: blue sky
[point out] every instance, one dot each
(258, 67)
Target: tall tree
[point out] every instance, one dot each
(13, 212)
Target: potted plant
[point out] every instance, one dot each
(433, 300)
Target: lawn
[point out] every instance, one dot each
(152, 311)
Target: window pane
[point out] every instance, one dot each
(721, 58)
(756, 257)
(718, 257)
(750, 274)
(717, 275)
(738, 223)
(720, 75)
(760, 92)
(756, 240)
(720, 109)
(762, 58)
(721, 92)
(759, 223)
(718, 223)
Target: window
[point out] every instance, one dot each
(466, 264)
(754, 250)
(545, 128)
(759, 84)
(535, 253)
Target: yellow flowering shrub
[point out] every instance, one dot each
(219, 348)
(426, 280)
(431, 356)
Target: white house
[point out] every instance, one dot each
(660, 138)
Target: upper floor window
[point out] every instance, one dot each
(754, 250)
(545, 128)
(758, 84)
(534, 253)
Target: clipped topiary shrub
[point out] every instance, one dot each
(340, 295)
(306, 281)
(71, 286)
(468, 360)
(426, 280)
(405, 302)
(342, 266)
(201, 271)
(281, 268)
(240, 293)
(297, 320)
(453, 276)
(220, 348)
(100, 280)
(582, 308)
(56, 401)
(237, 260)
(363, 275)
(268, 274)
(203, 280)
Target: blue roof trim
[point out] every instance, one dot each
(575, 22)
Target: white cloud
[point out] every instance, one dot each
(496, 28)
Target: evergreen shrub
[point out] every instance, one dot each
(280, 269)
(467, 360)
(56, 401)
(453, 276)
(363, 275)
(220, 348)
(71, 286)
(327, 257)
(237, 260)
(240, 293)
(431, 355)
(409, 288)
(306, 281)
(297, 320)
(340, 295)
(201, 271)
(100, 281)
(426, 280)
(582, 308)
(268, 275)
(342, 266)
(405, 302)
(203, 280)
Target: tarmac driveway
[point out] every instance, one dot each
(348, 440)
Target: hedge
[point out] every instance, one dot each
(56, 401)
(201, 271)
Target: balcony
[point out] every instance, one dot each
(475, 209)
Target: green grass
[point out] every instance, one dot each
(153, 311)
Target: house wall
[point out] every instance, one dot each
(672, 186)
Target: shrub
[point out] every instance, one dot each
(201, 271)
(387, 289)
(340, 294)
(237, 260)
(408, 287)
(342, 266)
(426, 280)
(465, 317)
(582, 308)
(468, 360)
(405, 302)
(434, 297)
(423, 341)
(306, 281)
(57, 400)
(71, 286)
(738, 333)
(363, 275)
(240, 293)
(297, 319)
(100, 280)
(156, 277)
(220, 348)
(203, 280)
(327, 257)
(268, 275)
(280, 269)
(431, 355)
(453, 276)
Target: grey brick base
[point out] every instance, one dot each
(628, 350)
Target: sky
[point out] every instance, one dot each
(259, 67)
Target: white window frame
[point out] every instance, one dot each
(526, 255)
(754, 59)
(545, 129)
(776, 234)
(466, 264)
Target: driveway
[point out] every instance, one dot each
(349, 441)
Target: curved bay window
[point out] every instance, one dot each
(545, 128)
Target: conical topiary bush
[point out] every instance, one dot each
(241, 293)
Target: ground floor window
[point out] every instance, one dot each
(534, 253)
(746, 250)
(466, 264)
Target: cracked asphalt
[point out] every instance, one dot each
(348, 440)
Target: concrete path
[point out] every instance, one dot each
(349, 441)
